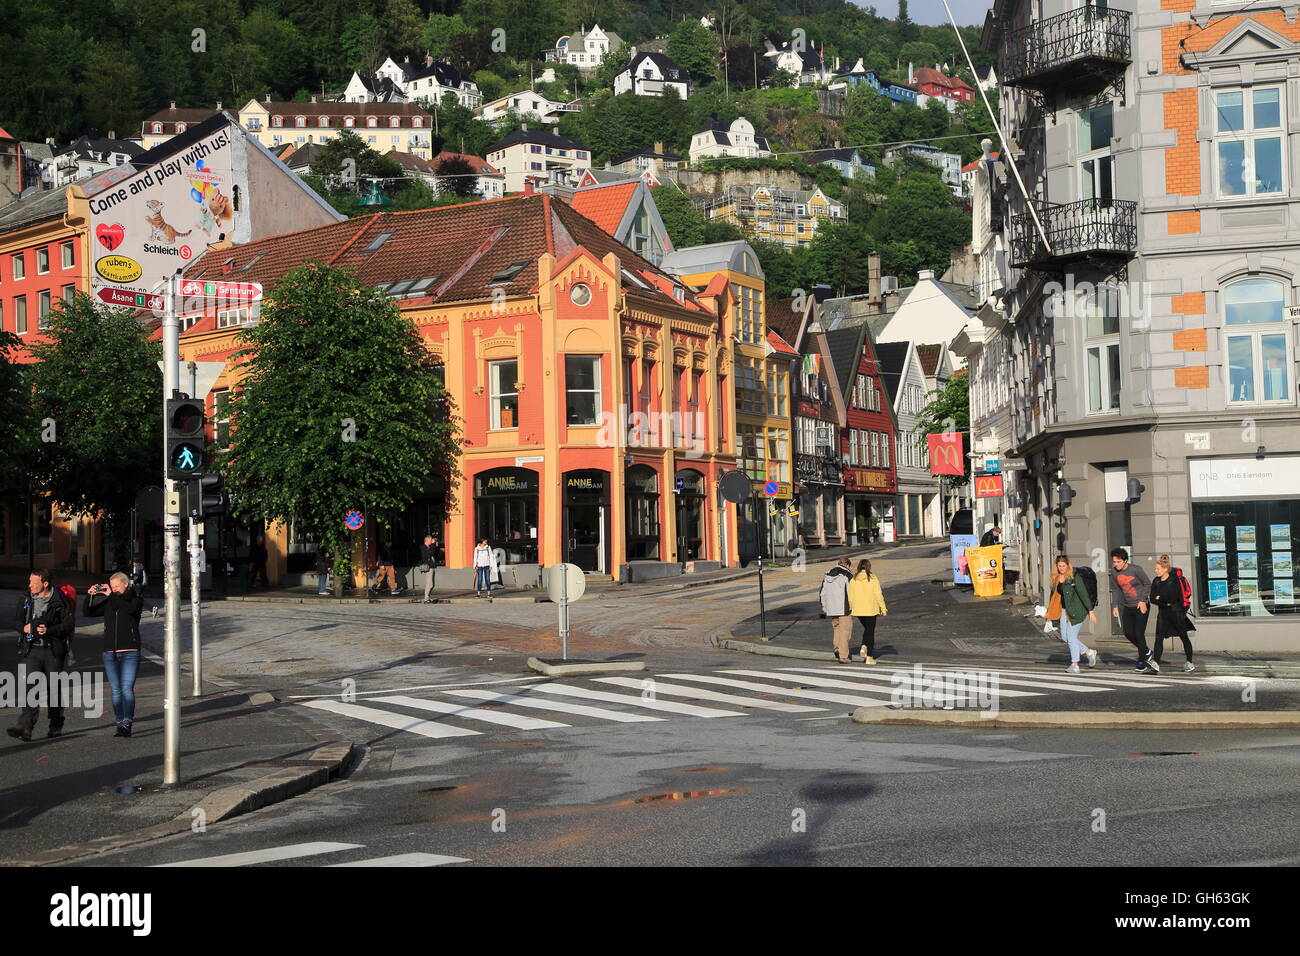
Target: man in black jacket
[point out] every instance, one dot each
(43, 621)
(428, 561)
(119, 604)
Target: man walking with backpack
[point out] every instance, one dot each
(835, 605)
(44, 621)
(1129, 589)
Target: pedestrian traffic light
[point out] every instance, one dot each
(185, 439)
(1135, 489)
(205, 497)
(1065, 494)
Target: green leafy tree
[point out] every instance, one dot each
(948, 411)
(340, 406)
(441, 33)
(18, 427)
(611, 65)
(840, 252)
(404, 25)
(685, 223)
(97, 380)
(694, 48)
(456, 177)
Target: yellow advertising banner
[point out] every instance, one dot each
(985, 570)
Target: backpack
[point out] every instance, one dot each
(1184, 587)
(70, 593)
(1089, 578)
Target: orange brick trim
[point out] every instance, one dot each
(1196, 377)
(1183, 161)
(1189, 303)
(1183, 223)
(1191, 340)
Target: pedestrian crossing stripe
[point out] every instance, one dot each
(729, 692)
(298, 851)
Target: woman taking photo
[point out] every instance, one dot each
(1167, 596)
(1076, 604)
(866, 603)
(119, 605)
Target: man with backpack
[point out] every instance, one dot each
(1171, 595)
(1129, 589)
(44, 622)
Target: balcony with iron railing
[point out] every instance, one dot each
(1068, 48)
(1090, 228)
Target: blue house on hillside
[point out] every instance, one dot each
(860, 76)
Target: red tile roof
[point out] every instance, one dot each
(929, 356)
(928, 74)
(477, 163)
(974, 164)
(465, 246)
(605, 205)
(779, 344)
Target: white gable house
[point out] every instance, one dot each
(650, 74)
(721, 139)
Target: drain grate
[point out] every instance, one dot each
(1164, 753)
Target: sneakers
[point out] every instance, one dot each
(55, 732)
(123, 730)
(1141, 665)
(1073, 668)
(1188, 667)
(394, 591)
(868, 660)
(1154, 665)
(1092, 657)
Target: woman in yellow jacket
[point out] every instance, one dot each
(866, 602)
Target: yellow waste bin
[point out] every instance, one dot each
(986, 570)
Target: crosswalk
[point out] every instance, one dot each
(733, 691)
(307, 853)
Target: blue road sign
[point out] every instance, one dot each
(771, 489)
(353, 520)
(680, 483)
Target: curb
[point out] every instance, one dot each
(585, 667)
(770, 650)
(295, 778)
(1154, 720)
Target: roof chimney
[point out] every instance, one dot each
(218, 106)
(529, 188)
(313, 99)
(267, 98)
(659, 146)
(428, 60)
(112, 134)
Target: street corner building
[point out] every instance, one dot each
(594, 388)
(1133, 362)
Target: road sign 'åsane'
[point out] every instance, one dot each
(134, 300)
(243, 291)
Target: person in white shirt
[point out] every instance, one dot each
(485, 568)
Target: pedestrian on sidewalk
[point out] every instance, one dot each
(385, 561)
(43, 621)
(1076, 604)
(1129, 587)
(866, 603)
(485, 568)
(428, 562)
(119, 605)
(835, 605)
(1169, 595)
(322, 572)
(257, 562)
(991, 537)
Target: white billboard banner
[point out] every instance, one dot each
(1270, 477)
(147, 225)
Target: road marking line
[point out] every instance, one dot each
(268, 855)
(699, 693)
(907, 679)
(784, 691)
(635, 700)
(1093, 677)
(556, 705)
(473, 713)
(407, 859)
(425, 728)
(398, 690)
(849, 685)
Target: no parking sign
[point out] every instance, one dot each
(353, 520)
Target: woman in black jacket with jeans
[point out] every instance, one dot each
(119, 605)
(1167, 596)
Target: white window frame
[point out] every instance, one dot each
(43, 256)
(884, 449)
(44, 305)
(497, 392)
(1249, 135)
(1109, 352)
(18, 266)
(1255, 332)
(569, 389)
(68, 253)
(1095, 156)
(229, 318)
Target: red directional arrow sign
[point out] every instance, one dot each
(243, 291)
(134, 300)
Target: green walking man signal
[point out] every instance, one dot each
(185, 438)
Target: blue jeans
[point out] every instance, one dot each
(121, 669)
(1070, 634)
(483, 579)
(322, 582)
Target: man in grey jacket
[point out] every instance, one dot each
(1129, 589)
(835, 605)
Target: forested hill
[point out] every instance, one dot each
(67, 66)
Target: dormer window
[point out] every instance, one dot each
(372, 121)
(395, 122)
(324, 122)
(277, 120)
(417, 122)
(157, 127)
(300, 121)
(349, 121)
(180, 127)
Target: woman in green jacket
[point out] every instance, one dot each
(1076, 604)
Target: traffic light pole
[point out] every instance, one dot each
(171, 555)
(196, 574)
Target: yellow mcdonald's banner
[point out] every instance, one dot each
(985, 570)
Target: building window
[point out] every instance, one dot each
(1101, 319)
(373, 139)
(884, 450)
(778, 454)
(68, 255)
(582, 389)
(230, 317)
(300, 121)
(750, 453)
(779, 384)
(372, 121)
(1096, 127)
(20, 314)
(157, 127)
(221, 417)
(19, 267)
(42, 260)
(277, 120)
(394, 122)
(505, 395)
(1248, 141)
(1257, 342)
(349, 121)
(417, 122)
(181, 127)
(43, 309)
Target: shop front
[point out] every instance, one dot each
(586, 520)
(691, 495)
(870, 504)
(643, 525)
(505, 512)
(821, 500)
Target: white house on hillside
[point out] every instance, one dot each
(720, 139)
(428, 81)
(538, 157)
(585, 49)
(806, 66)
(527, 104)
(949, 163)
(650, 74)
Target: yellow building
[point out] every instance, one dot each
(761, 385)
(788, 216)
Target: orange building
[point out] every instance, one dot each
(594, 389)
